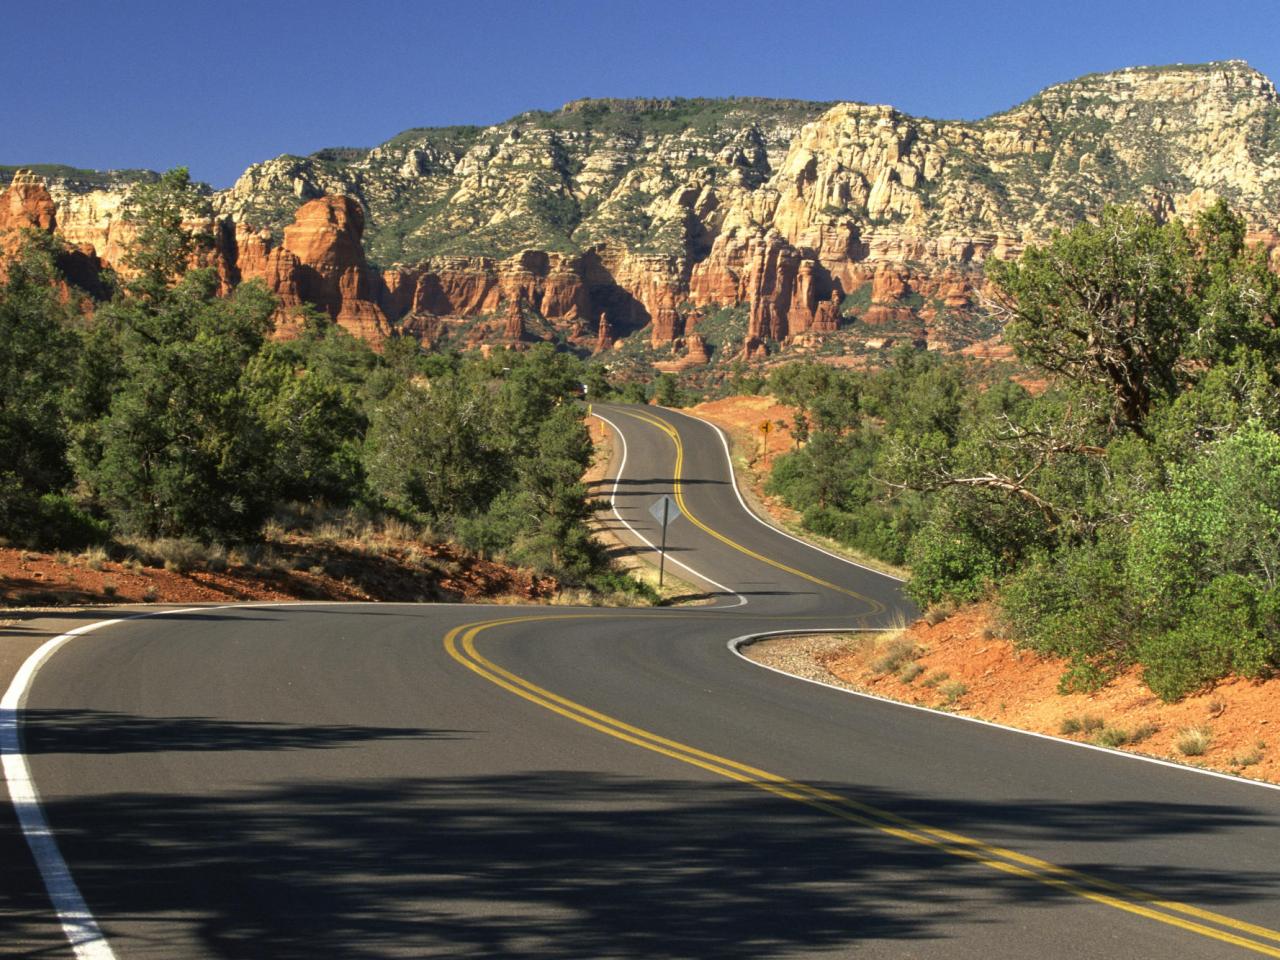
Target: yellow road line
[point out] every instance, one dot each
(674, 435)
(1007, 861)
(875, 605)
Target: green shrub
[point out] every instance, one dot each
(871, 529)
(1075, 606)
(1219, 517)
(1218, 635)
(59, 523)
(632, 392)
(949, 563)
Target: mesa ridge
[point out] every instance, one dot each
(781, 221)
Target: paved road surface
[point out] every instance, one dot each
(435, 780)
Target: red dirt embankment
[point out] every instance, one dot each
(336, 567)
(963, 665)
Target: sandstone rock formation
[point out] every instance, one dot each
(815, 217)
(604, 337)
(322, 262)
(695, 350)
(26, 204)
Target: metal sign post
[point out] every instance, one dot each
(662, 553)
(664, 511)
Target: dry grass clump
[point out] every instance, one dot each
(953, 691)
(95, 558)
(1142, 732)
(1249, 758)
(895, 654)
(331, 532)
(1085, 724)
(178, 555)
(396, 529)
(1194, 741)
(935, 678)
(910, 672)
(938, 612)
(259, 556)
(575, 598)
(1121, 736)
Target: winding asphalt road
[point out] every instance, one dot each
(437, 780)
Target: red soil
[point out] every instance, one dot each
(368, 568)
(1020, 689)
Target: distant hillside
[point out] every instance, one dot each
(833, 226)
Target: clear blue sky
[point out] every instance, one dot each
(217, 86)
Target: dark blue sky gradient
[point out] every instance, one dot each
(217, 86)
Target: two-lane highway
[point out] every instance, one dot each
(439, 780)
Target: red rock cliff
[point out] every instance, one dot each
(321, 262)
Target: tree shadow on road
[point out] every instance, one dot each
(577, 865)
(111, 733)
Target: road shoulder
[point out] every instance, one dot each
(957, 666)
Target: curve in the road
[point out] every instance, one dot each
(252, 684)
(874, 606)
(613, 506)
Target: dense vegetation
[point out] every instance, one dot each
(1129, 512)
(171, 414)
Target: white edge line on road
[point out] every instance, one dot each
(737, 643)
(78, 923)
(724, 442)
(81, 929)
(613, 503)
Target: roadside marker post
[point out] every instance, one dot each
(664, 511)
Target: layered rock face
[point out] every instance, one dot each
(608, 219)
(321, 262)
(27, 205)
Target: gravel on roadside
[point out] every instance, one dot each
(805, 656)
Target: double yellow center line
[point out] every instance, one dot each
(875, 606)
(460, 643)
(461, 646)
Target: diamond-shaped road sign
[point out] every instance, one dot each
(672, 511)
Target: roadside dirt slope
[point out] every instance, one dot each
(1240, 718)
(338, 568)
(961, 665)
